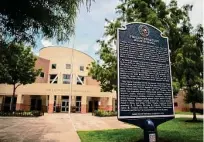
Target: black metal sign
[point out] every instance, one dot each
(144, 73)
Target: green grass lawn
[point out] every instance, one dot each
(186, 113)
(176, 130)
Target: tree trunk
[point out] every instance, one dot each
(194, 111)
(12, 98)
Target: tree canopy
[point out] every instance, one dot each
(185, 43)
(170, 19)
(22, 20)
(17, 66)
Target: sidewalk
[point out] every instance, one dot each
(63, 128)
(50, 127)
(188, 116)
(86, 122)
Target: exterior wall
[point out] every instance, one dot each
(179, 100)
(62, 56)
(42, 87)
(56, 89)
(90, 81)
(181, 105)
(26, 102)
(106, 104)
(44, 65)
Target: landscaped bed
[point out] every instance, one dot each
(22, 113)
(177, 130)
(103, 113)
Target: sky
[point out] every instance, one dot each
(90, 25)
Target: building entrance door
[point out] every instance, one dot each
(65, 105)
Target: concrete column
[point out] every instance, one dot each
(51, 104)
(1, 102)
(73, 101)
(19, 102)
(83, 104)
(110, 104)
(114, 104)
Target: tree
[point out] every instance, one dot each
(166, 18)
(18, 66)
(22, 20)
(107, 72)
(174, 22)
(189, 62)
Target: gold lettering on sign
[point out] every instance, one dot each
(144, 40)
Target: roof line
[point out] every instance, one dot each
(68, 48)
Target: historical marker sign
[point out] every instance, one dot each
(144, 73)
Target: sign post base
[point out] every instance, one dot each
(149, 126)
(150, 132)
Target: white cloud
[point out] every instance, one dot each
(46, 42)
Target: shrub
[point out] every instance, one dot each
(103, 113)
(22, 113)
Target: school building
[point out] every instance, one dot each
(53, 89)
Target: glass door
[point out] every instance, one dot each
(65, 106)
(78, 103)
(78, 106)
(55, 105)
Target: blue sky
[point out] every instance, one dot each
(90, 25)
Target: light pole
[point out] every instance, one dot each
(71, 77)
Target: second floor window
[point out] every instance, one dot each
(53, 78)
(66, 78)
(81, 68)
(54, 66)
(68, 66)
(80, 80)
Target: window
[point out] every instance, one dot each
(42, 74)
(78, 98)
(175, 104)
(68, 66)
(65, 97)
(81, 68)
(54, 66)
(80, 80)
(66, 78)
(52, 77)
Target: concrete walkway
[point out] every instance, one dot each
(188, 116)
(62, 128)
(49, 128)
(83, 122)
(57, 127)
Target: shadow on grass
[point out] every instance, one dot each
(190, 120)
(176, 130)
(194, 121)
(159, 140)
